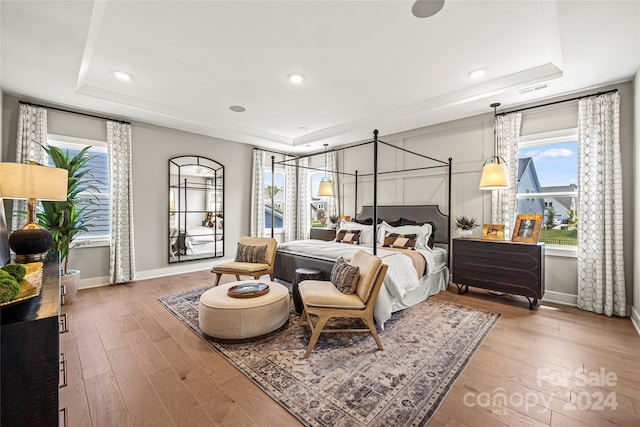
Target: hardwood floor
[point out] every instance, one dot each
(130, 362)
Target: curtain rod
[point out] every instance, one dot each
(273, 151)
(557, 102)
(74, 112)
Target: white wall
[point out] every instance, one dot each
(469, 142)
(635, 310)
(152, 148)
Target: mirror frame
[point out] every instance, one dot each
(202, 222)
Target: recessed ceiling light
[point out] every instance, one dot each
(296, 78)
(302, 128)
(476, 74)
(237, 109)
(121, 75)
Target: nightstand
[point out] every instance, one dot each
(510, 267)
(326, 234)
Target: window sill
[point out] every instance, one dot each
(91, 242)
(561, 251)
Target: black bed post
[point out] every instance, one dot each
(273, 170)
(449, 217)
(355, 202)
(375, 191)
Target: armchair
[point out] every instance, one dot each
(254, 269)
(323, 300)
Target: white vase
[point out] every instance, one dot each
(71, 283)
(465, 234)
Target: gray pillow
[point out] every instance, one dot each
(253, 254)
(344, 276)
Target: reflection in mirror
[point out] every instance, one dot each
(196, 208)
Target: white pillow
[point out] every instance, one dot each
(366, 236)
(423, 231)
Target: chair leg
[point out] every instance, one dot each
(317, 330)
(372, 328)
(237, 277)
(302, 317)
(217, 279)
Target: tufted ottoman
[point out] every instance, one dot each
(225, 318)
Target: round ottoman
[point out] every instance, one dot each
(223, 317)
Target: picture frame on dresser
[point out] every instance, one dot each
(527, 228)
(493, 231)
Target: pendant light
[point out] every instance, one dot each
(494, 169)
(326, 186)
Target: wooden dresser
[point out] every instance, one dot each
(508, 267)
(30, 367)
(326, 234)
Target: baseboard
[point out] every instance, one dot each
(560, 298)
(93, 282)
(635, 319)
(187, 267)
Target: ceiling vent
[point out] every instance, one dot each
(534, 88)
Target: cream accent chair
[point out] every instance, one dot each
(256, 270)
(324, 301)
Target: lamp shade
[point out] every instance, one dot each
(30, 181)
(325, 188)
(494, 175)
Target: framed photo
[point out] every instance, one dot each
(527, 228)
(493, 231)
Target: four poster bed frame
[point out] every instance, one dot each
(287, 263)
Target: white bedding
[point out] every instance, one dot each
(401, 288)
(202, 240)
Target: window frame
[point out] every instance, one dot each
(540, 140)
(63, 142)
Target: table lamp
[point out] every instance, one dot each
(33, 182)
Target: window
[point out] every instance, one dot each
(318, 207)
(278, 192)
(98, 201)
(547, 184)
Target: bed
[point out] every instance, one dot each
(197, 241)
(403, 286)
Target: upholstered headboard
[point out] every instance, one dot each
(417, 213)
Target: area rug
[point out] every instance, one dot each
(347, 381)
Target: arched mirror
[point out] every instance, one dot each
(196, 208)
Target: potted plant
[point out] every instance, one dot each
(65, 219)
(465, 225)
(333, 219)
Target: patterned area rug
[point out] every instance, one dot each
(347, 381)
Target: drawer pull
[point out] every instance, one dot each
(63, 370)
(63, 323)
(62, 417)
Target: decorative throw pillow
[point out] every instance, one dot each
(404, 241)
(253, 254)
(349, 236)
(367, 221)
(344, 276)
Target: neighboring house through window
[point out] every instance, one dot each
(97, 202)
(547, 183)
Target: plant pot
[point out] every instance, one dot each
(465, 234)
(332, 226)
(70, 283)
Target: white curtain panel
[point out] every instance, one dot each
(333, 206)
(257, 193)
(304, 199)
(504, 207)
(290, 194)
(30, 142)
(122, 251)
(601, 281)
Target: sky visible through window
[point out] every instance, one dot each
(278, 180)
(556, 164)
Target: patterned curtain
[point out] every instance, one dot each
(304, 199)
(333, 205)
(290, 193)
(601, 281)
(257, 193)
(121, 251)
(32, 136)
(504, 206)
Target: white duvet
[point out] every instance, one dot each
(401, 283)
